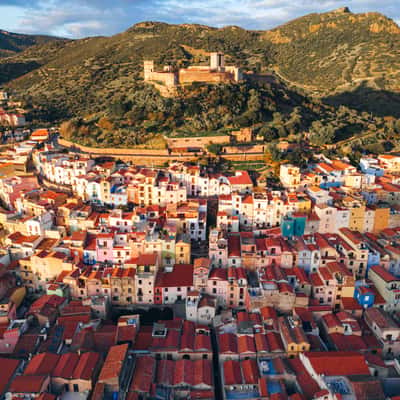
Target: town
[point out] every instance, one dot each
(128, 281)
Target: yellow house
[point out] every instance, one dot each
(357, 214)
(344, 281)
(304, 204)
(182, 252)
(10, 302)
(48, 265)
(353, 180)
(381, 220)
(105, 190)
(293, 336)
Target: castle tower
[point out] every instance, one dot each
(217, 62)
(148, 68)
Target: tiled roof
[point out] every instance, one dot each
(27, 384)
(232, 373)
(8, 369)
(383, 273)
(143, 375)
(86, 366)
(338, 363)
(228, 343)
(42, 364)
(180, 276)
(113, 364)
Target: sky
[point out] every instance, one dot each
(81, 18)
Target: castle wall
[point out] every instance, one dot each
(200, 141)
(158, 157)
(206, 76)
(167, 78)
(112, 151)
(257, 148)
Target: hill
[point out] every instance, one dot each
(339, 52)
(12, 43)
(16, 52)
(337, 58)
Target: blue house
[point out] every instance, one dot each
(294, 225)
(374, 258)
(365, 296)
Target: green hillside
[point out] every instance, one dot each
(338, 58)
(12, 43)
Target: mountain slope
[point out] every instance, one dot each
(337, 56)
(12, 43)
(337, 51)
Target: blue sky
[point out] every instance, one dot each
(80, 18)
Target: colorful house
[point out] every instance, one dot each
(365, 296)
(294, 225)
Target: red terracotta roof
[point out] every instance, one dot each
(232, 373)
(250, 371)
(42, 364)
(338, 363)
(143, 375)
(113, 363)
(87, 364)
(382, 273)
(307, 384)
(27, 384)
(228, 343)
(66, 365)
(165, 372)
(241, 178)
(234, 246)
(274, 341)
(246, 344)
(180, 276)
(8, 369)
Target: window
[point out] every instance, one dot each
(76, 387)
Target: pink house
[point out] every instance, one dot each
(217, 284)
(104, 247)
(274, 251)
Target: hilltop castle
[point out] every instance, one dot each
(216, 72)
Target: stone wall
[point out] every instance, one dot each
(192, 75)
(196, 141)
(159, 157)
(112, 151)
(167, 78)
(251, 148)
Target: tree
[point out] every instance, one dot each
(214, 148)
